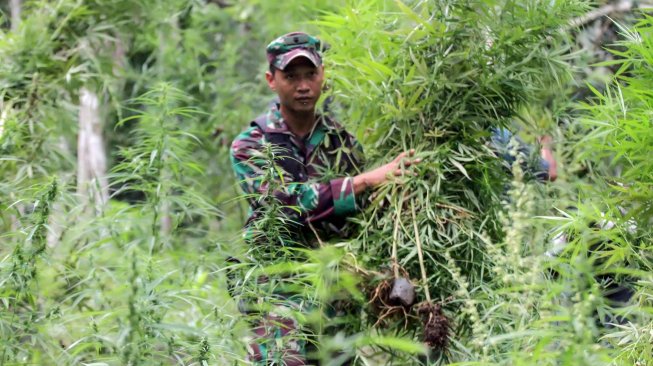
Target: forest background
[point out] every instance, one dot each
(119, 208)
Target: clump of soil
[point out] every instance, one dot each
(436, 325)
(402, 293)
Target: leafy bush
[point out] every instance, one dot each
(437, 77)
(615, 147)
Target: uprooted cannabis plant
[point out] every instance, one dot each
(439, 77)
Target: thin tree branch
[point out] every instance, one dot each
(620, 7)
(221, 3)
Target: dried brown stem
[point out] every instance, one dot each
(420, 254)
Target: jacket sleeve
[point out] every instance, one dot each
(259, 178)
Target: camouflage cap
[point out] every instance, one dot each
(292, 45)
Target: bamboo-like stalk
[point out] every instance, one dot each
(420, 255)
(395, 239)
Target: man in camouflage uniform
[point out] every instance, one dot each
(314, 176)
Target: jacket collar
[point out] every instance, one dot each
(274, 122)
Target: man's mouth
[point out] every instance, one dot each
(304, 100)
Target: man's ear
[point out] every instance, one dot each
(270, 79)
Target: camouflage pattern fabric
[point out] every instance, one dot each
(532, 165)
(314, 177)
(279, 340)
(292, 45)
(316, 172)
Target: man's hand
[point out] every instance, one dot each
(547, 154)
(382, 174)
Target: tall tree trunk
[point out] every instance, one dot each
(15, 7)
(92, 181)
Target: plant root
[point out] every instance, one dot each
(437, 326)
(384, 307)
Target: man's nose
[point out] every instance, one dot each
(302, 86)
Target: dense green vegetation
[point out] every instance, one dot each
(119, 250)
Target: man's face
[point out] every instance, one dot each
(299, 85)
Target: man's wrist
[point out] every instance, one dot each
(360, 183)
(545, 142)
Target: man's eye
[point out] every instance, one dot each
(290, 76)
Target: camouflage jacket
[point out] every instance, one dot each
(314, 182)
(532, 165)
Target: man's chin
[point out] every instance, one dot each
(304, 106)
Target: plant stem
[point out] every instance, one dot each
(395, 264)
(419, 252)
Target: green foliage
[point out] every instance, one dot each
(160, 165)
(19, 274)
(143, 279)
(79, 300)
(437, 77)
(617, 133)
(181, 79)
(156, 305)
